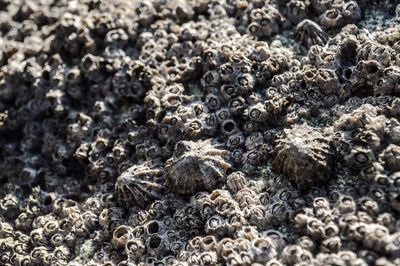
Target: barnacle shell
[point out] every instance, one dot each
(304, 156)
(141, 184)
(196, 166)
(310, 33)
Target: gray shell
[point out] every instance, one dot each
(141, 184)
(304, 156)
(195, 166)
(310, 33)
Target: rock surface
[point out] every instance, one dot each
(199, 132)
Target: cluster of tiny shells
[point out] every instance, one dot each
(199, 132)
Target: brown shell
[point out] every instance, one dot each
(303, 155)
(195, 166)
(140, 184)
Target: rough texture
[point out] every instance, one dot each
(195, 166)
(199, 132)
(140, 184)
(304, 155)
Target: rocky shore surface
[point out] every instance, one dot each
(199, 132)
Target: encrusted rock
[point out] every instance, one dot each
(116, 118)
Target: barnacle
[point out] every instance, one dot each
(196, 166)
(141, 184)
(390, 158)
(351, 11)
(264, 249)
(295, 254)
(321, 5)
(266, 21)
(332, 18)
(236, 181)
(297, 11)
(309, 33)
(359, 158)
(306, 161)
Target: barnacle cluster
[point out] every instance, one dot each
(199, 132)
